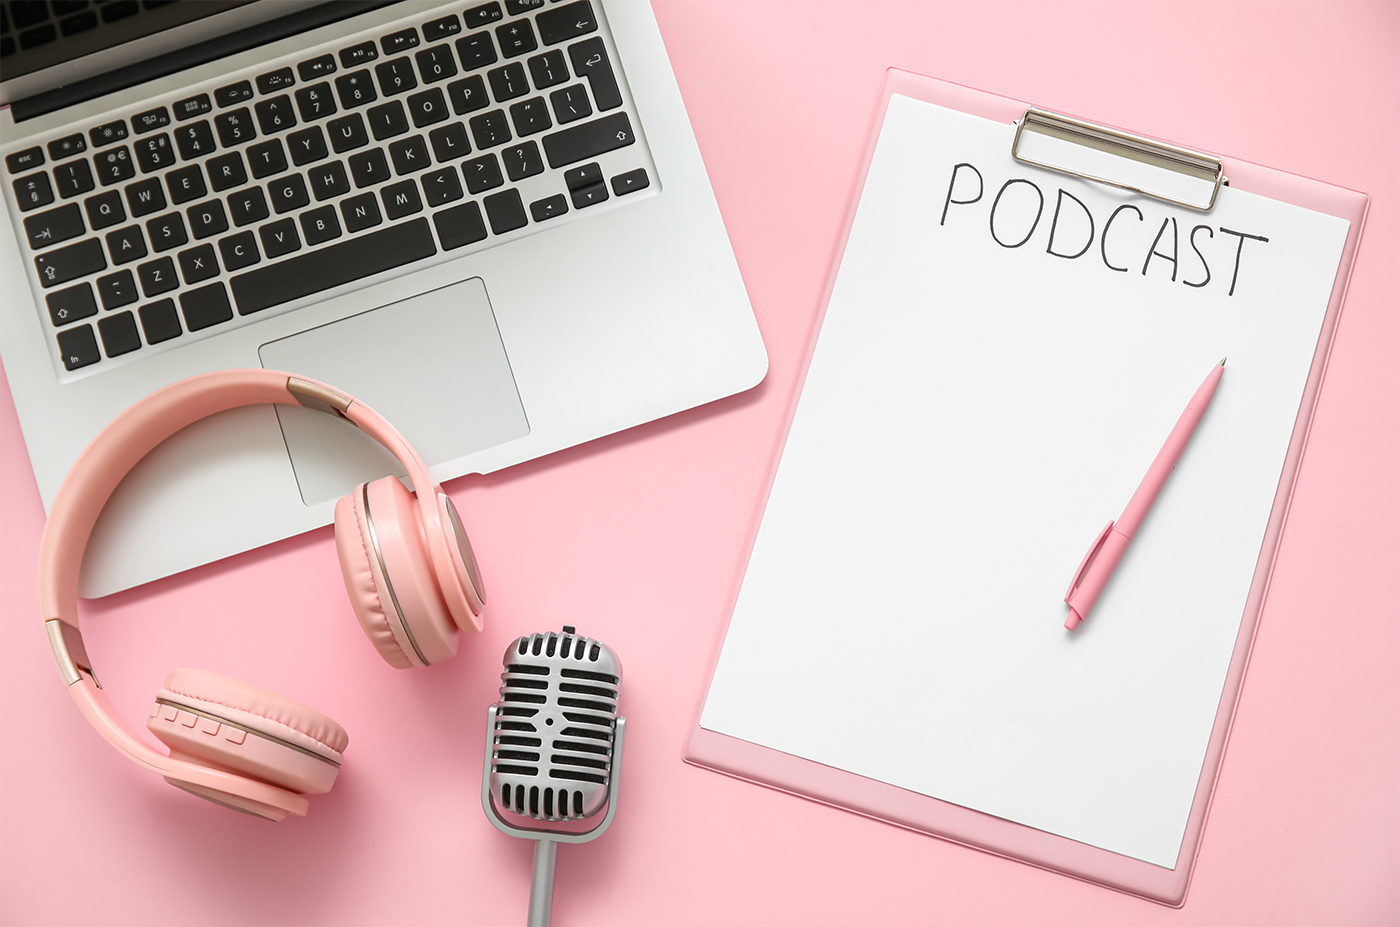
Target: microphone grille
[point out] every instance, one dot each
(552, 750)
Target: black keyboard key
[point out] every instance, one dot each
(234, 93)
(78, 346)
(483, 15)
(277, 80)
(145, 197)
(279, 238)
(410, 155)
(119, 334)
(482, 174)
(570, 104)
(198, 264)
(450, 142)
(160, 322)
(117, 289)
(73, 178)
(316, 67)
(275, 114)
(436, 63)
(490, 129)
(395, 76)
(468, 95)
(45, 229)
(441, 187)
(185, 184)
(166, 232)
(194, 106)
(576, 178)
(508, 82)
(355, 89)
(549, 208)
(115, 165)
(427, 108)
(288, 193)
(459, 226)
(247, 206)
(400, 41)
(25, 160)
(588, 140)
(239, 251)
(332, 266)
(590, 61)
(157, 276)
(476, 51)
(522, 161)
(328, 180)
(33, 191)
(505, 211)
(307, 146)
(590, 195)
(205, 306)
(235, 127)
(516, 7)
(347, 133)
(207, 219)
(267, 158)
(70, 262)
(195, 140)
(566, 22)
(517, 38)
(441, 28)
(548, 69)
(126, 245)
(71, 304)
(105, 210)
(154, 153)
(320, 225)
(387, 120)
(356, 55)
(226, 172)
(360, 212)
(108, 134)
(150, 120)
(65, 147)
(530, 116)
(401, 199)
(369, 167)
(315, 102)
(630, 182)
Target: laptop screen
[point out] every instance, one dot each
(39, 34)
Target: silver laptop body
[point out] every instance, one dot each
(564, 277)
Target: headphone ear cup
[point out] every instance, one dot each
(389, 576)
(218, 721)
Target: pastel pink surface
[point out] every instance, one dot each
(637, 539)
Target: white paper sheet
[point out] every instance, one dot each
(975, 412)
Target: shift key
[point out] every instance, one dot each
(64, 264)
(588, 140)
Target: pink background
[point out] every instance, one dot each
(636, 539)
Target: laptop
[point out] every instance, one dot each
(488, 221)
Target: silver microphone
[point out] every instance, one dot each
(554, 746)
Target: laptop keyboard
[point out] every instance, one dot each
(197, 213)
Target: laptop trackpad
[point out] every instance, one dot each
(433, 365)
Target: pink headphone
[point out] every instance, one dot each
(408, 569)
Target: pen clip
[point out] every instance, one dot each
(1088, 559)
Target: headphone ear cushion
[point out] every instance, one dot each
(219, 721)
(352, 546)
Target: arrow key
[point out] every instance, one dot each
(566, 22)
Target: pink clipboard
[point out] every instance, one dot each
(904, 808)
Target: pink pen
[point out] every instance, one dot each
(1103, 556)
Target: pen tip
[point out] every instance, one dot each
(1222, 362)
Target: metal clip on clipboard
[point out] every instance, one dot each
(1092, 152)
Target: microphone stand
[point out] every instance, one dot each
(546, 841)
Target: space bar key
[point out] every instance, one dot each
(321, 270)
